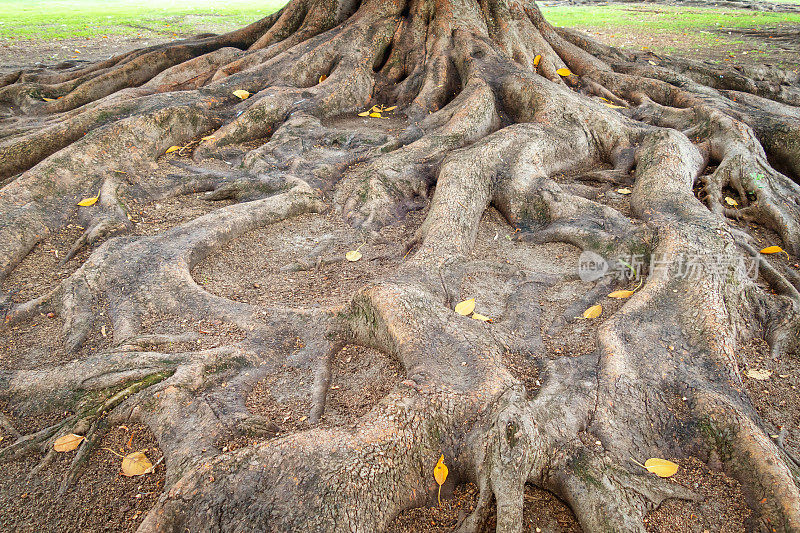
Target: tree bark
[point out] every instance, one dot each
(489, 120)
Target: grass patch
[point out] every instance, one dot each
(713, 34)
(63, 19)
(662, 17)
(695, 31)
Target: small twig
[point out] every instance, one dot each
(153, 468)
(7, 425)
(112, 451)
(782, 446)
(634, 461)
(80, 457)
(27, 442)
(48, 458)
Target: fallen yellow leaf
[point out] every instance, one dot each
(391, 108)
(661, 467)
(86, 202)
(353, 255)
(624, 190)
(593, 312)
(323, 78)
(536, 60)
(67, 443)
(364, 114)
(466, 307)
(241, 93)
(208, 138)
(136, 464)
(564, 72)
(440, 475)
(48, 99)
(612, 106)
(172, 149)
(731, 202)
(375, 114)
(482, 318)
(774, 250)
(621, 294)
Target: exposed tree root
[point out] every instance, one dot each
(483, 120)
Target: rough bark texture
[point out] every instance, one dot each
(485, 124)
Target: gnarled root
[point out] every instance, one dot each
(480, 124)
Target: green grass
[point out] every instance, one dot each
(684, 31)
(61, 19)
(662, 17)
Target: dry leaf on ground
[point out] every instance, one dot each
(136, 464)
(661, 467)
(621, 294)
(440, 475)
(67, 443)
(86, 202)
(593, 312)
(353, 255)
(466, 307)
(774, 250)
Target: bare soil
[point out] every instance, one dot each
(101, 500)
(30, 53)
(43, 269)
(38, 343)
(360, 377)
(777, 398)
(722, 509)
(302, 261)
(543, 512)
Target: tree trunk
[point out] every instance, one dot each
(487, 117)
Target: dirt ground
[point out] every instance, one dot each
(26, 54)
(737, 46)
(543, 512)
(301, 263)
(102, 499)
(778, 47)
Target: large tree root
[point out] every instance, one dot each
(484, 120)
